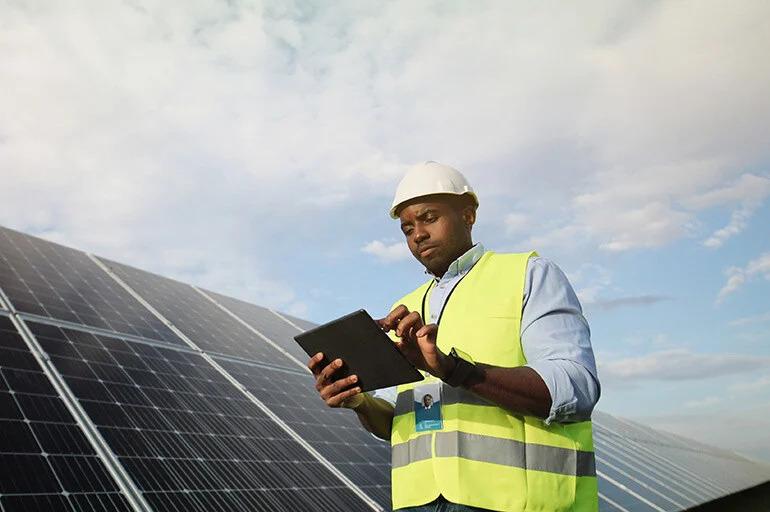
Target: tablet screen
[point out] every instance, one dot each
(365, 349)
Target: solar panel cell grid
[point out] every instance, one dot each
(704, 471)
(636, 482)
(47, 279)
(621, 499)
(335, 433)
(187, 437)
(210, 328)
(46, 462)
(638, 462)
(278, 330)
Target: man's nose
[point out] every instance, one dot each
(420, 235)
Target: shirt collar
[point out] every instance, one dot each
(464, 263)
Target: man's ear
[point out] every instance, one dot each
(469, 216)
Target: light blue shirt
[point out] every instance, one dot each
(555, 336)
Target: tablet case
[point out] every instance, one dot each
(364, 348)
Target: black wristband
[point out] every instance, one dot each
(461, 371)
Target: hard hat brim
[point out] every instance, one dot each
(395, 209)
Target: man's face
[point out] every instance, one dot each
(437, 230)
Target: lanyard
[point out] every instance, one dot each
(446, 301)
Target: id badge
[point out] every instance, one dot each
(427, 407)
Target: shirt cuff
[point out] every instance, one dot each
(564, 398)
(387, 394)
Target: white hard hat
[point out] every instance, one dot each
(431, 178)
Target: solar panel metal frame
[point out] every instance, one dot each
(332, 443)
(336, 471)
(128, 276)
(205, 362)
(80, 270)
(102, 453)
(649, 447)
(690, 494)
(238, 310)
(383, 498)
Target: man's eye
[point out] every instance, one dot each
(407, 231)
(430, 219)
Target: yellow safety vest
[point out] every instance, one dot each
(484, 456)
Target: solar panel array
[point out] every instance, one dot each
(186, 435)
(188, 400)
(50, 280)
(642, 469)
(46, 461)
(211, 329)
(335, 433)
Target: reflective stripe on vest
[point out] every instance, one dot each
(506, 452)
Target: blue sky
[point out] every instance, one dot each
(254, 148)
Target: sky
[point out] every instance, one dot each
(254, 148)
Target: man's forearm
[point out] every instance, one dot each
(520, 390)
(376, 415)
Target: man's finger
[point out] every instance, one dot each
(392, 319)
(336, 400)
(325, 376)
(331, 369)
(315, 363)
(429, 330)
(338, 387)
(409, 322)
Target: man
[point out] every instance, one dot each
(511, 365)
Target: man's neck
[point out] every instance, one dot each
(460, 253)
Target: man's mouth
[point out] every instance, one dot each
(427, 251)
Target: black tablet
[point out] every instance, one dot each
(365, 349)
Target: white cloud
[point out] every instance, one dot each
(172, 138)
(755, 385)
(589, 281)
(749, 188)
(517, 223)
(680, 364)
(388, 253)
(763, 317)
(708, 401)
(738, 222)
(628, 301)
(750, 191)
(737, 276)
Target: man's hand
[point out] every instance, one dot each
(418, 341)
(336, 393)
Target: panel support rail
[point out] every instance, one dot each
(256, 401)
(104, 453)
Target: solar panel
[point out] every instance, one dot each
(265, 321)
(662, 471)
(304, 325)
(46, 462)
(335, 433)
(189, 439)
(711, 472)
(210, 328)
(637, 462)
(49, 280)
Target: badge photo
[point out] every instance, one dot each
(427, 407)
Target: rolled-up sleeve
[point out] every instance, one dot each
(387, 394)
(556, 341)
